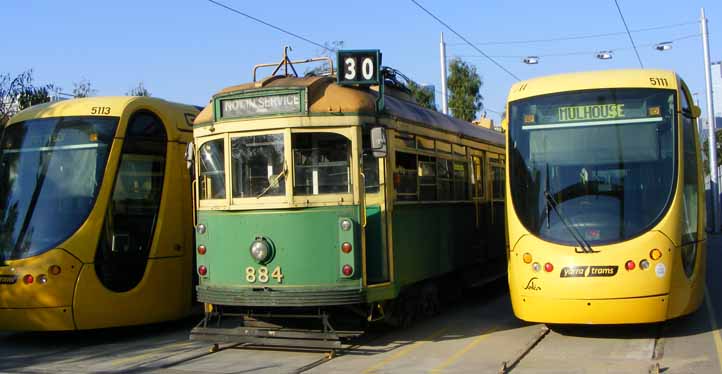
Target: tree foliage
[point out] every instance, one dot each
(83, 89)
(18, 92)
(329, 51)
(422, 95)
(464, 84)
(705, 151)
(138, 90)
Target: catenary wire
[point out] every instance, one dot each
(629, 34)
(464, 39)
(578, 37)
(271, 26)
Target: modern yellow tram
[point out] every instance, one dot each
(605, 198)
(95, 214)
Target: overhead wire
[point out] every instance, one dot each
(578, 53)
(466, 40)
(330, 49)
(629, 34)
(579, 37)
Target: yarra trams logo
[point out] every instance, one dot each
(589, 271)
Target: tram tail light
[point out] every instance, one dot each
(346, 247)
(629, 265)
(54, 270)
(527, 258)
(347, 270)
(202, 270)
(28, 279)
(655, 254)
(548, 267)
(201, 249)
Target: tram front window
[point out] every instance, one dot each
(258, 165)
(602, 161)
(50, 172)
(321, 163)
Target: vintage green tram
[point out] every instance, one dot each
(315, 197)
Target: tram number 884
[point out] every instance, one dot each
(262, 276)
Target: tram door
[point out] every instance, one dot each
(377, 255)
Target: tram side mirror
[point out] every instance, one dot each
(696, 111)
(190, 151)
(378, 142)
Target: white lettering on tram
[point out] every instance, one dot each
(250, 106)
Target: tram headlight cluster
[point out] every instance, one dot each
(260, 250)
(345, 224)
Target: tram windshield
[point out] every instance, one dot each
(50, 172)
(606, 158)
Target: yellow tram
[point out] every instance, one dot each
(96, 214)
(605, 212)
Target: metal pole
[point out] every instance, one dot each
(712, 141)
(444, 95)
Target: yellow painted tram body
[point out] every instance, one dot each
(611, 158)
(96, 225)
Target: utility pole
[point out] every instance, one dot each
(444, 95)
(712, 141)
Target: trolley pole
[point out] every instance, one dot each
(713, 181)
(444, 95)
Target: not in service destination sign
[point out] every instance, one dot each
(261, 105)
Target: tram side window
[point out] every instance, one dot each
(497, 182)
(321, 163)
(370, 164)
(479, 180)
(427, 178)
(258, 166)
(690, 201)
(444, 168)
(460, 181)
(133, 210)
(212, 170)
(405, 176)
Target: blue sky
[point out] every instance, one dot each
(187, 50)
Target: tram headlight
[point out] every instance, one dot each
(535, 266)
(345, 224)
(655, 254)
(42, 279)
(201, 228)
(644, 264)
(260, 250)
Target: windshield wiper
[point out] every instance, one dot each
(583, 244)
(274, 182)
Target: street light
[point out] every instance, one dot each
(664, 46)
(604, 55)
(531, 60)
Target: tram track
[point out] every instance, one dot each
(509, 365)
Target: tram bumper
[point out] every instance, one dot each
(648, 309)
(37, 319)
(36, 293)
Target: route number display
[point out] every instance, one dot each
(359, 67)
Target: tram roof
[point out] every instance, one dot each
(325, 96)
(118, 106)
(589, 80)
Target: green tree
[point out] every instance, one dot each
(705, 151)
(138, 90)
(329, 51)
(422, 95)
(83, 89)
(464, 83)
(35, 95)
(10, 88)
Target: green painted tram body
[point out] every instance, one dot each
(396, 242)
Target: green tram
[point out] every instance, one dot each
(318, 198)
